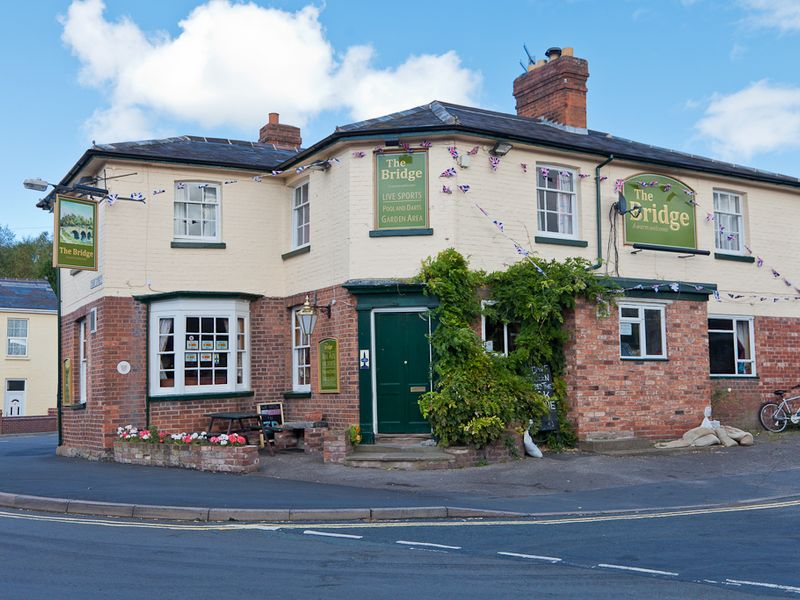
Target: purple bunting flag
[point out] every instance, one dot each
(759, 262)
(111, 198)
(494, 161)
(473, 151)
(453, 151)
(182, 186)
(446, 189)
(716, 296)
(618, 185)
(463, 187)
(257, 178)
(425, 144)
(499, 225)
(544, 171)
(157, 192)
(775, 273)
(359, 154)
(451, 172)
(675, 287)
(524, 167)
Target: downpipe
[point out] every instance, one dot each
(598, 219)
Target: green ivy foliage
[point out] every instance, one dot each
(477, 394)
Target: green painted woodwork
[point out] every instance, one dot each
(402, 363)
(666, 215)
(541, 239)
(399, 232)
(734, 257)
(401, 180)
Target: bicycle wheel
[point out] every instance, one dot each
(773, 417)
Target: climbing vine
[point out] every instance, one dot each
(478, 394)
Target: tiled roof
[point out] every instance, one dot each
(439, 116)
(202, 150)
(27, 294)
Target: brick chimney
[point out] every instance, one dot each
(554, 89)
(283, 136)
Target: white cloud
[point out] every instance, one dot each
(783, 15)
(759, 118)
(232, 63)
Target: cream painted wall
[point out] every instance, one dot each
(136, 257)
(39, 368)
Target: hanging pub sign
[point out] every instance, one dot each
(401, 190)
(661, 211)
(75, 234)
(329, 366)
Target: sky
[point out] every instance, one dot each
(716, 78)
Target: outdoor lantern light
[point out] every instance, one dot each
(307, 316)
(37, 184)
(500, 148)
(41, 185)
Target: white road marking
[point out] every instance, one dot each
(427, 545)
(551, 559)
(773, 586)
(336, 535)
(637, 569)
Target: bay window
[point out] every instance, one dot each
(199, 346)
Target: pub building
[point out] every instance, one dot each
(197, 298)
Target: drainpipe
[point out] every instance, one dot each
(59, 376)
(598, 216)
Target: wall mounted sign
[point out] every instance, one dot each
(66, 383)
(123, 367)
(328, 361)
(75, 234)
(401, 187)
(667, 213)
(363, 359)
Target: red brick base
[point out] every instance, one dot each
(37, 424)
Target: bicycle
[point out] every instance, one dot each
(775, 416)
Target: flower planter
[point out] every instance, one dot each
(223, 459)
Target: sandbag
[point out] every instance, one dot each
(706, 440)
(723, 436)
(698, 432)
(747, 439)
(673, 444)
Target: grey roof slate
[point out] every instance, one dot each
(27, 294)
(202, 150)
(446, 116)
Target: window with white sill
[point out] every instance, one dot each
(197, 211)
(729, 219)
(199, 346)
(17, 338)
(642, 331)
(731, 346)
(556, 201)
(301, 217)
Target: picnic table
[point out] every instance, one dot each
(231, 418)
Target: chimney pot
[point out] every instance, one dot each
(274, 118)
(555, 90)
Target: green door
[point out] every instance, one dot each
(402, 363)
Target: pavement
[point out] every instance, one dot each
(295, 486)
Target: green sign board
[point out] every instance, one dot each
(402, 190)
(329, 366)
(662, 211)
(74, 234)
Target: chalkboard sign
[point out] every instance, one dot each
(329, 366)
(543, 383)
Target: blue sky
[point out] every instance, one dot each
(712, 77)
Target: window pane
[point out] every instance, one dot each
(721, 353)
(726, 324)
(552, 222)
(551, 201)
(743, 340)
(17, 328)
(207, 325)
(513, 332)
(652, 332)
(629, 339)
(629, 312)
(209, 229)
(494, 340)
(15, 385)
(210, 194)
(195, 193)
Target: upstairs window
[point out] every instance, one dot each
(301, 217)
(497, 336)
(731, 346)
(196, 211)
(556, 201)
(728, 217)
(17, 334)
(642, 333)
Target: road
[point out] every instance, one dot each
(745, 552)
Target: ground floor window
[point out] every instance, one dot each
(301, 357)
(731, 346)
(498, 336)
(642, 331)
(199, 346)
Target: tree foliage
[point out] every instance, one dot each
(477, 394)
(27, 258)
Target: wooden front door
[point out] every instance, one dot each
(402, 363)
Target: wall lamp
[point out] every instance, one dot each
(41, 185)
(500, 148)
(307, 315)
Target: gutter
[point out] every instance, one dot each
(598, 220)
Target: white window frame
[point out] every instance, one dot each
(296, 349)
(485, 303)
(18, 339)
(83, 362)
(178, 310)
(738, 217)
(181, 196)
(641, 307)
(574, 195)
(299, 241)
(93, 320)
(751, 340)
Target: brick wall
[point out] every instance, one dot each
(115, 399)
(36, 424)
(610, 397)
(734, 400)
(555, 91)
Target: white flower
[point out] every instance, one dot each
(193, 436)
(223, 442)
